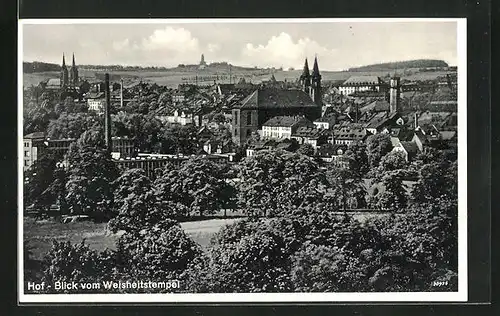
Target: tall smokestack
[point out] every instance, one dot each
(121, 92)
(107, 115)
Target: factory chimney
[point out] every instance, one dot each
(107, 115)
(121, 92)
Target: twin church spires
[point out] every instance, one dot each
(69, 78)
(311, 83)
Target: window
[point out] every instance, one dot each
(249, 132)
(26, 153)
(235, 115)
(249, 118)
(235, 132)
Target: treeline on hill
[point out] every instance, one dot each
(32, 67)
(419, 63)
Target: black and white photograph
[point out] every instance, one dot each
(242, 160)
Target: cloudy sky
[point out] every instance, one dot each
(338, 45)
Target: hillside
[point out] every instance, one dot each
(34, 67)
(39, 67)
(418, 63)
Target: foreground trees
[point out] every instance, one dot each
(199, 184)
(271, 182)
(91, 173)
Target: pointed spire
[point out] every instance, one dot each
(64, 61)
(305, 72)
(73, 64)
(315, 72)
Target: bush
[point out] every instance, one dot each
(318, 268)
(76, 263)
(158, 253)
(255, 263)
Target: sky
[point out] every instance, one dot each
(337, 45)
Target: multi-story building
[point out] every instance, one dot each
(349, 133)
(31, 144)
(310, 135)
(151, 163)
(362, 83)
(37, 143)
(182, 117)
(265, 103)
(282, 127)
(325, 122)
(96, 101)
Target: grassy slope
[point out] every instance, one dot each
(40, 234)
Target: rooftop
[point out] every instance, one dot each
(363, 80)
(285, 121)
(410, 147)
(277, 98)
(311, 132)
(35, 135)
(95, 95)
(327, 119)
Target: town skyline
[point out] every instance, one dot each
(338, 45)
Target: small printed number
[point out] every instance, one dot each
(439, 283)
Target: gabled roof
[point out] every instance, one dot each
(277, 98)
(285, 145)
(35, 135)
(403, 134)
(350, 132)
(261, 144)
(330, 149)
(376, 106)
(54, 82)
(377, 120)
(310, 132)
(447, 135)
(411, 148)
(95, 95)
(327, 119)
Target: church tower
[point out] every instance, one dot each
(64, 74)
(73, 73)
(305, 78)
(394, 95)
(315, 89)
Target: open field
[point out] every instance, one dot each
(40, 234)
(35, 78)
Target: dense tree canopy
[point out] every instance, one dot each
(199, 184)
(378, 146)
(91, 173)
(72, 125)
(270, 181)
(358, 158)
(146, 130)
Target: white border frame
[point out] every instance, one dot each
(460, 296)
